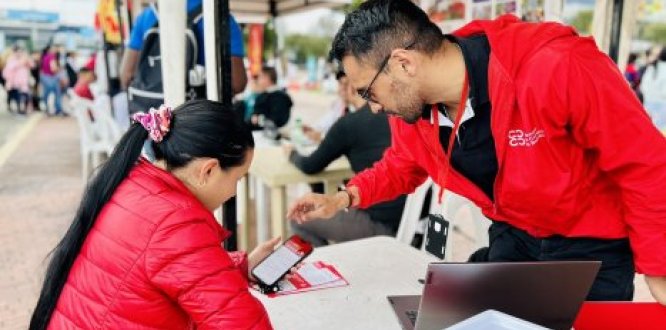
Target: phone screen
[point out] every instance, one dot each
(281, 260)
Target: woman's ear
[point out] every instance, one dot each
(206, 170)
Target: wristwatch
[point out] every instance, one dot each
(349, 197)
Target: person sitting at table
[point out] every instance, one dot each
(144, 249)
(362, 137)
(338, 108)
(273, 103)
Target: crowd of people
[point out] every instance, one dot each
(31, 80)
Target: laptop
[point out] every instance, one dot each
(545, 293)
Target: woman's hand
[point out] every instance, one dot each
(259, 253)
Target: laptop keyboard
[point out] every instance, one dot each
(411, 315)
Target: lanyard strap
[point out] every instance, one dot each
(435, 112)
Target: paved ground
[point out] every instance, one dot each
(40, 187)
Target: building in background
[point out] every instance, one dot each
(38, 22)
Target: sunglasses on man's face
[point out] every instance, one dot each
(365, 93)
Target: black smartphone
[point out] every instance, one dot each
(438, 233)
(277, 264)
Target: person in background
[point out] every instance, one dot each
(633, 76)
(530, 121)
(144, 250)
(273, 103)
(71, 68)
(36, 57)
(244, 104)
(653, 86)
(147, 20)
(362, 137)
(339, 108)
(83, 81)
(3, 60)
(17, 78)
(50, 78)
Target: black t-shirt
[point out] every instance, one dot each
(362, 137)
(474, 153)
(275, 106)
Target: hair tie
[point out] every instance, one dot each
(156, 122)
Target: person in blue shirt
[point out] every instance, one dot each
(147, 19)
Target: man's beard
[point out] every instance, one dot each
(409, 107)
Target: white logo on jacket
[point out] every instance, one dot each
(520, 138)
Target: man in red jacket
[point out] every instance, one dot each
(551, 143)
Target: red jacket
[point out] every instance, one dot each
(153, 260)
(577, 154)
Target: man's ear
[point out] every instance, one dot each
(404, 61)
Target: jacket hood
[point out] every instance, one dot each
(512, 41)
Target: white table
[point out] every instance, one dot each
(374, 267)
(271, 168)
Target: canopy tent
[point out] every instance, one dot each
(258, 11)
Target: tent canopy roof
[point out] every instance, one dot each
(261, 10)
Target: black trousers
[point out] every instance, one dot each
(615, 280)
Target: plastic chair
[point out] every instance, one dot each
(449, 209)
(409, 221)
(97, 138)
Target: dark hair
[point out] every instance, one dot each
(339, 75)
(632, 58)
(377, 27)
(270, 72)
(199, 128)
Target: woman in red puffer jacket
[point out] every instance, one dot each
(144, 250)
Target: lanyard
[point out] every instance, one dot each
(434, 112)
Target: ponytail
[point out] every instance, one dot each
(97, 193)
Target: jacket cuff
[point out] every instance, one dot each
(240, 261)
(362, 202)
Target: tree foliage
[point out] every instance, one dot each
(655, 32)
(583, 21)
(302, 46)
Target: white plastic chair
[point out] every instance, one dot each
(409, 221)
(97, 138)
(450, 209)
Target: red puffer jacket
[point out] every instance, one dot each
(153, 260)
(577, 153)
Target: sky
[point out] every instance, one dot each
(72, 12)
(306, 21)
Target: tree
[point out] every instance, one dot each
(303, 46)
(583, 21)
(655, 32)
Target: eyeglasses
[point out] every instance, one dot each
(365, 94)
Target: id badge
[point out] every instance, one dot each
(438, 232)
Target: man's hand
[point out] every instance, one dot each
(287, 148)
(657, 285)
(313, 135)
(317, 206)
(259, 253)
